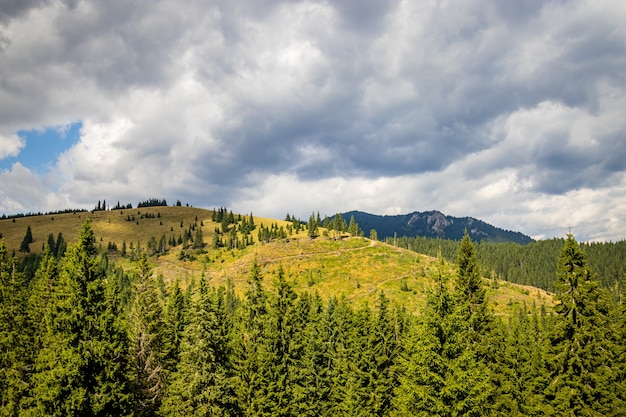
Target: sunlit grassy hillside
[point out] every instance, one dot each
(356, 268)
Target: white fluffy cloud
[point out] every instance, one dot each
(511, 113)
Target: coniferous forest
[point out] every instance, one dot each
(86, 337)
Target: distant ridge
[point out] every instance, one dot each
(433, 224)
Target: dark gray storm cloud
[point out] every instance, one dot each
(512, 100)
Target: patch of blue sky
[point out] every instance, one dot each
(43, 146)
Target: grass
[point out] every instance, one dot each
(355, 268)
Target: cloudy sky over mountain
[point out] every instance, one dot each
(508, 111)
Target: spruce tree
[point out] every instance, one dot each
(28, 239)
(81, 369)
(147, 343)
(202, 384)
(353, 227)
(251, 388)
(582, 367)
(176, 319)
(472, 367)
(427, 385)
(470, 293)
(198, 240)
(42, 287)
(312, 225)
(277, 354)
(16, 347)
(313, 381)
(60, 246)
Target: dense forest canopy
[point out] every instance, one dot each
(83, 336)
(531, 264)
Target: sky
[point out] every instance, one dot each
(512, 112)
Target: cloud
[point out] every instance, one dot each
(10, 145)
(505, 113)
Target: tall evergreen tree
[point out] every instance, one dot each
(277, 354)
(198, 240)
(202, 384)
(60, 246)
(427, 385)
(15, 337)
(470, 292)
(312, 225)
(176, 317)
(582, 361)
(147, 344)
(312, 376)
(81, 370)
(353, 227)
(28, 239)
(42, 287)
(251, 388)
(472, 367)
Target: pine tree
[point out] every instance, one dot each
(51, 243)
(472, 366)
(251, 388)
(60, 246)
(583, 350)
(358, 387)
(277, 354)
(16, 347)
(311, 371)
(81, 370)
(42, 288)
(446, 369)
(198, 242)
(147, 344)
(353, 227)
(385, 340)
(431, 349)
(28, 239)
(176, 319)
(203, 384)
(470, 292)
(521, 367)
(312, 225)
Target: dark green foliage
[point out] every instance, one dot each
(28, 239)
(533, 263)
(313, 227)
(248, 349)
(353, 227)
(147, 343)
(277, 354)
(203, 384)
(447, 370)
(583, 349)
(471, 301)
(16, 344)
(82, 367)
(152, 202)
(176, 318)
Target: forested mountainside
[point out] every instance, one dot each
(86, 336)
(533, 263)
(433, 224)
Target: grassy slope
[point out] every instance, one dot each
(356, 268)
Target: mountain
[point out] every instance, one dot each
(433, 224)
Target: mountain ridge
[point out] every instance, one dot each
(433, 224)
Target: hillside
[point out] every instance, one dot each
(433, 224)
(356, 268)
